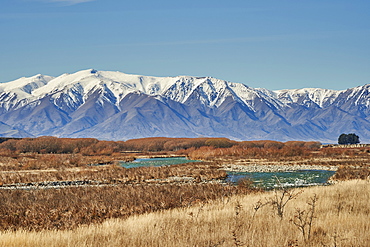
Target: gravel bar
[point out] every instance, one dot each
(275, 168)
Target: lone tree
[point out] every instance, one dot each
(348, 139)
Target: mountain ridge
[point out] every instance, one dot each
(118, 106)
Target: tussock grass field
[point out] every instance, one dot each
(336, 215)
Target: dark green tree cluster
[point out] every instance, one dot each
(348, 139)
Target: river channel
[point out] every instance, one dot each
(157, 162)
(266, 180)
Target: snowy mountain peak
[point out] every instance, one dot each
(358, 95)
(115, 105)
(211, 91)
(26, 84)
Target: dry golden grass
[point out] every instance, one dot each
(341, 219)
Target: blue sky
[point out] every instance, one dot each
(262, 43)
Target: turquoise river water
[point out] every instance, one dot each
(157, 162)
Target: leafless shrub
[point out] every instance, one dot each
(281, 197)
(257, 206)
(303, 219)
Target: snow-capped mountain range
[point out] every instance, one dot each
(116, 106)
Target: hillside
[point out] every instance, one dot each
(118, 106)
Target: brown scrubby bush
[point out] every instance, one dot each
(350, 172)
(69, 208)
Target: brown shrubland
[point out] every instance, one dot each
(340, 219)
(112, 192)
(179, 205)
(94, 147)
(68, 208)
(115, 174)
(350, 172)
(51, 152)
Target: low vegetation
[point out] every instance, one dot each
(193, 146)
(63, 153)
(115, 174)
(68, 208)
(350, 172)
(340, 218)
(178, 205)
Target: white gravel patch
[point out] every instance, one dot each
(275, 168)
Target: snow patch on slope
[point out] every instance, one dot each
(25, 86)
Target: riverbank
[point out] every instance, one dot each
(111, 175)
